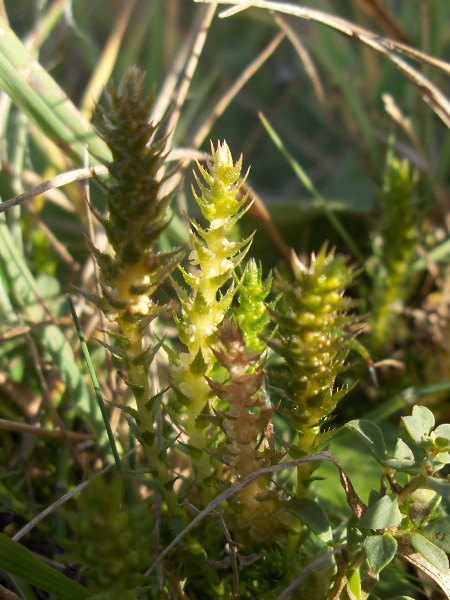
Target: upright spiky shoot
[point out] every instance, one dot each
(132, 270)
(314, 338)
(393, 250)
(252, 314)
(214, 258)
(261, 513)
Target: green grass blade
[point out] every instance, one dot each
(439, 254)
(17, 560)
(98, 395)
(37, 94)
(414, 394)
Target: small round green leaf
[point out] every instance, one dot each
(420, 423)
(404, 466)
(443, 431)
(403, 451)
(441, 486)
(438, 532)
(371, 436)
(425, 416)
(380, 550)
(383, 514)
(430, 552)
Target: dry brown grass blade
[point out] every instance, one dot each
(418, 55)
(54, 182)
(3, 14)
(429, 92)
(409, 553)
(406, 126)
(79, 175)
(345, 27)
(22, 329)
(6, 425)
(308, 63)
(46, 400)
(199, 42)
(31, 179)
(105, 65)
(226, 99)
(261, 215)
(379, 12)
(258, 211)
(7, 594)
(171, 79)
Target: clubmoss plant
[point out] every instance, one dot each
(236, 548)
(214, 258)
(252, 314)
(261, 512)
(280, 566)
(132, 270)
(314, 338)
(393, 251)
(112, 544)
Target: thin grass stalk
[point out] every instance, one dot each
(26, 296)
(97, 390)
(381, 15)
(27, 429)
(45, 24)
(17, 153)
(311, 188)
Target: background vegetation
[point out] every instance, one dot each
(347, 138)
